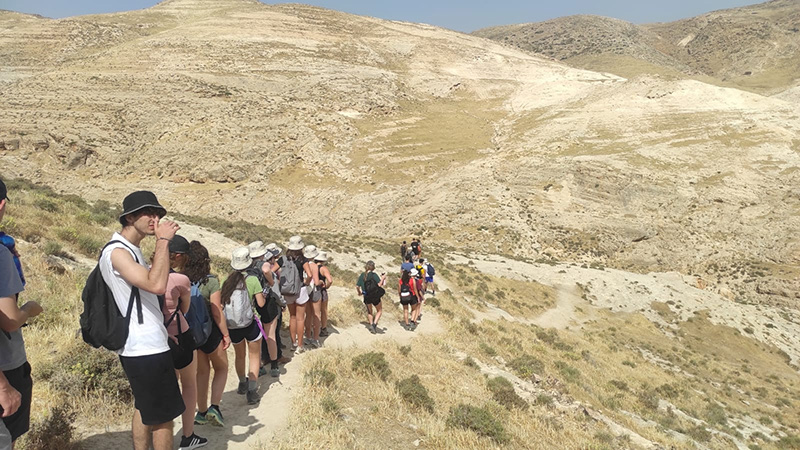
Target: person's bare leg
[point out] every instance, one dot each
(141, 432)
(316, 319)
(254, 350)
(272, 346)
(300, 324)
(293, 323)
(203, 375)
(162, 436)
(369, 314)
(240, 353)
(324, 314)
(415, 312)
(405, 314)
(188, 378)
(308, 325)
(378, 312)
(219, 359)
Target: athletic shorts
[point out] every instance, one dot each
(409, 300)
(213, 340)
(429, 279)
(5, 436)
(250, 333)
(316, 297)
(375, 301)
(155, 387)
(20, 379)
(324, 294)
(302, 299)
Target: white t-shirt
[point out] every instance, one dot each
(149, 337)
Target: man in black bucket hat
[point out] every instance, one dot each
(145, 357)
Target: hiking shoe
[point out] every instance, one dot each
(214, 416)
(323, 331)
(413, 326)
(299, 350)
(373, 329)
(316, 343)
(253, 397)
(419, 317)
(262, 371)
(200, 418)
(274, 373)
(242, 389)
(294, 346)
(406, 327)
(193, 441)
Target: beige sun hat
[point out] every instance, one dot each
(295, 243)
(274, 249)
(310, 251)
(321, 256)
(240, 258)
(257, 249)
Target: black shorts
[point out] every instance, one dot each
(213, 340)
(375, 301)
(20, 379)
(155, 387)
(250, 333)
(410, 300)
(270, 311)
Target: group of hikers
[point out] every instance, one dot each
(174, 320)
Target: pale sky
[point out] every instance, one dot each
(461, 15)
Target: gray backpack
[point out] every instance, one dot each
(239, 311)
(291, 281)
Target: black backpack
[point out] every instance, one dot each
(102, 325)
(371, 288)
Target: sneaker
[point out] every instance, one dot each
(253, 397)
(242, 389)
(299, 350)
(316, 343)
(307, 341)
(373, 329)
(262, 371)
(294, 346)
(407, 327)
(413, 326)
(200, 418)
(214, 416)
(323, 331)
(193, 441)
(419, 317)
(274, 373)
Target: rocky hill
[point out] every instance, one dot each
(755, 47)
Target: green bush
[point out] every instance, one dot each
(544, 400)
(85, 370)
(55, 431)
(89, 245)
(46, 204)
(789, 441)
(570, 374)
(526, 366)
(405, 350)
(503, 392)
(469, 362)
(715, 414)
(479, 420)
(372, 363)
(413, 392)
(486, 349)
(330, 406)
(320, 376)
(619, 384)
(54, 248)
(433, 301)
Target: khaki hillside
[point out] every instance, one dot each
(616, 251)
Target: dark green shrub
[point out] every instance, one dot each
(570, 374)
(479, 420)
(469, 362)
(85, 370)
(715, 414)
(413, 392)
(46, 204)
(486, 349)
(405, 350)
(372, 363)
(320, 376)
(544, 400)
(433, 301)
(89, 245)
(55, 431)
(526, 366)
(619, 384)
(503, 392)
(789, 441)
(54, 248)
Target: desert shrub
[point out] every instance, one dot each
(469, 362)
(90, 245)
(46, 204)
(85, 370)
(789, 441)
(330, 405)
(479, 420)
(503, 392)
(715, 414)
(628, 363)
(68, 234)
(469, 326)
(413, 392)
(619, 384)
(486, 349)
(320, 376)
(405, 350)
(54, 431)
(526, 366)
(104, 213)
(372, 363)
(543, 400)
(604, 437)
(648, 397)
(570, 374)
(699, 433)
(433, 301)
(668, 390)
(54, 248)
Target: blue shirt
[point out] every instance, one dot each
(407, 266)
(11, 245)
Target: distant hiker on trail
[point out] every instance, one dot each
(240, 291)
(369, 285)
(294, 270)
(416, 247)
(327, 281)
(403, 250)
(407, 264)
(262, 269)
(416, 276)
(177, 300)
(313, 283)
(407, 290)
(429, 273)
(145, 357)
(213, 351)
(16, 391)
(272, 265)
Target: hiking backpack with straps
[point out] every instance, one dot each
(239, 310)
(370, 286)
(430, 270)
(290, 280)
(102, 325)
(406, 295)
(197, 317)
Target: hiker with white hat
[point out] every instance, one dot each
(271, 265)
(327, 281)
(268, 315)
(240, 291)
(314, 320)
(293, 273)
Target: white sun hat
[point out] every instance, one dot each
(310, 251)
(295, 243)
(321, 256)
(274, 249)
(240, 258)
(257, 249)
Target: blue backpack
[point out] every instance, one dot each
(197, 317)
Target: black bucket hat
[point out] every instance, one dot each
(140, 200)
(178, 244)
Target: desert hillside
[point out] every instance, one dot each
(755, 47)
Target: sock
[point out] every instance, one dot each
(273, 365)
(216, 406)
(242, 379)
(202, 413)
(251, 385)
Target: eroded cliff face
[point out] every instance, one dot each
(307, 119)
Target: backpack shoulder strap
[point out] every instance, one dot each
(134, 290)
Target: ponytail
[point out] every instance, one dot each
(234, 280)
